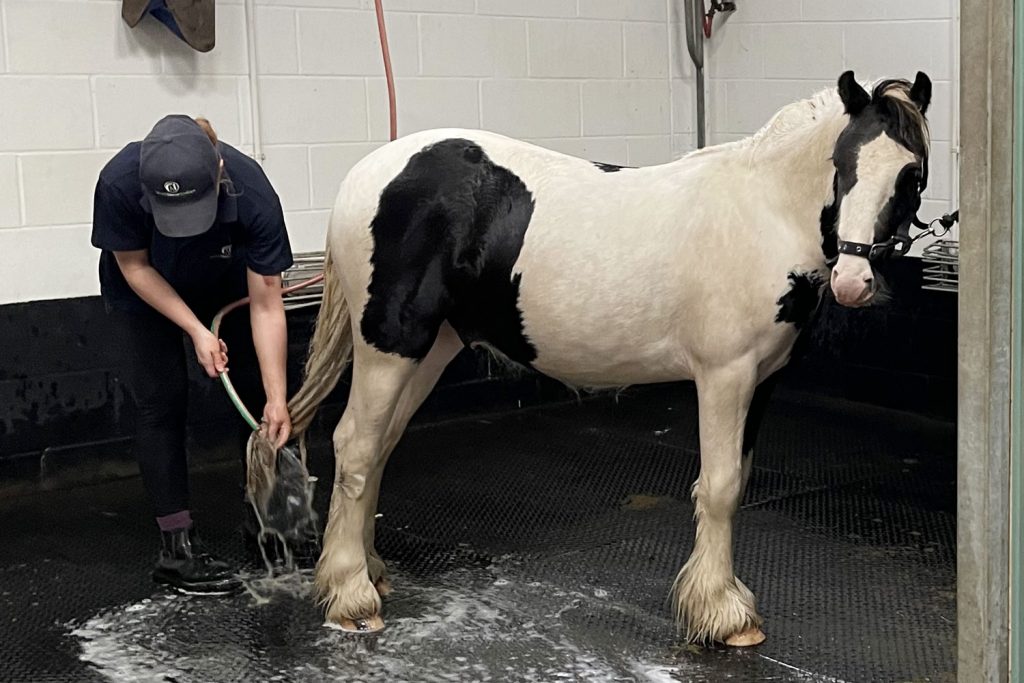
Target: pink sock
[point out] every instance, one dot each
(175, 521)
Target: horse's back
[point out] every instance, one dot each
(586, 271)
(383, 164)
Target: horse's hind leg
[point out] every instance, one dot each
(715, 605)
(342, 580)
(446, 347)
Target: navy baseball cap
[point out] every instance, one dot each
(178, 167)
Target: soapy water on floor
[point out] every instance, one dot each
(464, 625)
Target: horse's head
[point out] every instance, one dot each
(881, 162)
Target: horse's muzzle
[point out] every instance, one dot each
(853, 291)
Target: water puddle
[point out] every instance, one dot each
(465, 625)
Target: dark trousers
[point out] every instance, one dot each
(157, 361)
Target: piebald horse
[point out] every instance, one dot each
(701, 269)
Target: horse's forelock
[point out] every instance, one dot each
(910, 125)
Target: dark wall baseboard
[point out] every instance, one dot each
(62, 400)
(58, 383)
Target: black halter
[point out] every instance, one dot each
(899, 244)
(895, 247)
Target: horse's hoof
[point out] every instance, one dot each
(749, 638)
(374, 624)
(383, 587)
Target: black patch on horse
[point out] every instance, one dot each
(801, 300)
(828, 224)
(608, 168)
(447, 232)
(902, 206)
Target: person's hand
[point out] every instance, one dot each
(211, 352)
(276, 425)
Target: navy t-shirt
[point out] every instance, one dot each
(207, 270)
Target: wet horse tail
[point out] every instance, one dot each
(329, 353)
(277, 482)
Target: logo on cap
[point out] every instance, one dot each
(172, 187)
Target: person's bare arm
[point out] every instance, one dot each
(270, 336)
(154, 290)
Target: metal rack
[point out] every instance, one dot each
(942, 268)
(306, 266)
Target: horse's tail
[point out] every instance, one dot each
(329, 354)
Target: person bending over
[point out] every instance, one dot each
(187, 224)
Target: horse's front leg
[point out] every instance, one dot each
(713, 604)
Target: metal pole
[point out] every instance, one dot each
(694, 20)
(254, 81)
(701, 120)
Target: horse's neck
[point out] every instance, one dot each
(794, 151)
(798, 144)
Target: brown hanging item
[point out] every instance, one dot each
(191, 20)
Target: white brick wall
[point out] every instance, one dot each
(574, 48)
(588, 77)
(470, 46)
(10, 201)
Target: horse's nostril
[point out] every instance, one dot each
(869, 282)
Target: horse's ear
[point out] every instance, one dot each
(921, 91)
(853, 94)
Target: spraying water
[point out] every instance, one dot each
(280, 490)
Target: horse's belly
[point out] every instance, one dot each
(584, 368)
(654, 319)
(600, 331)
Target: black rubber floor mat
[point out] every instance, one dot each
(533, 546)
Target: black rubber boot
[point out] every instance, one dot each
(185, 567)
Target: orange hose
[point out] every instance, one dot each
(215, 326)
(386, 53)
